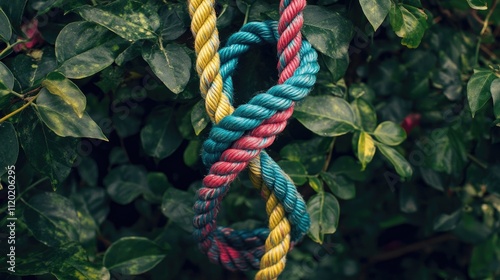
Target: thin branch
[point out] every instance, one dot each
(18, 110)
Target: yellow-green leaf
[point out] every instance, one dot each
(61, 86)
(366, 149)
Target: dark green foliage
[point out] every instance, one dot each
(396, 150)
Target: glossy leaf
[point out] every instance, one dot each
(160, 137)
(177, 205)
(365, 149)
(390, 133)
(326, 115)
(133, 255)
(478, 89)
(62, 119)
(9, 149)
(59, 85)
(199, 117)
(375, 11)
(170, 64)
(409, 23)
(295, 170)
(328, 31)
(125, 183)
(446, 222)
(402, 166)
(84, 48)
(484, 258)
(5, 27)
(131, 20)
(52, 219)
(341, 186)
(365, 114)
(495, 94)
(6, 76)
(324, 211)
(49, 154)
(29, 71)
(315, 183)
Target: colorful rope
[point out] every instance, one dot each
(204, 29)
(278, 241)
(228, 151)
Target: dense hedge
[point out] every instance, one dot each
(395, 150)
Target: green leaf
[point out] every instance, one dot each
(390, 133)
(171, 65)
(495, 94)
(88, 226)
(76, 266)
(9, 149)
(160, 136)
(485, 258)
(375, 11)
(478, 89)
(326, 115)
(14, 11)
(62, 119)
(403, 168)
(29, 71)
(447, 151)
(409, 23)
(295, 170)
(84, 48)
(49, 154)
(315, 184)
(125, 183)
(310, 153)
(88, 171)
(59, 85)
(70, 261)
(366, 117)
(173, 21)
(133, 255)
(324, 211)
(365, 149)
(199, 117)
(157, 185)
(340, 185)
(191, 154)
(96, 202)
(52, 219)
(177, 205)
(131, 20)
(6, 77)
(478, 4)
(329, 33)
(5, 27)
(446, 222)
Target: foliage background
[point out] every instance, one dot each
(101, 116)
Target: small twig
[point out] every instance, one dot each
(384, 256)
(329, 156)
(477, 161)
(9, 46)
(487, 19)
(18, 110)
(25, 191)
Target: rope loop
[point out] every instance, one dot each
(241, 137)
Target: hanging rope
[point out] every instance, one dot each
(242, 249)
(203, 26)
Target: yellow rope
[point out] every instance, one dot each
(204, 29)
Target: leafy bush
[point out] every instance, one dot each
(102, 125)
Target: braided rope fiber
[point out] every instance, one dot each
(204, 29)
(228, 151)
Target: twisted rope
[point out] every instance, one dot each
(228, 151)
(217, 105)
